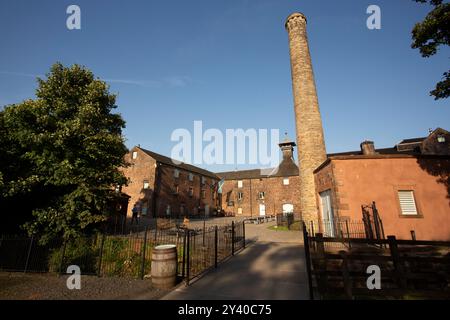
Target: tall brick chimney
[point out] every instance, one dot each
(310, 140)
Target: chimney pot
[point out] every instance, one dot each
(367, 147)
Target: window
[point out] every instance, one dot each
(146, 184)
(134, 156)
(240, 184)
(203, 194)
(191, 191)
(407, 202)
(239, 210)
(261, 195)
(176, 173)
(176, 189)
(240, 195)
(286, 181)
(191, 177)
(441, 139)
(203, 180)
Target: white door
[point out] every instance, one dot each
(288, 208)
(327, 213)
(262, 209)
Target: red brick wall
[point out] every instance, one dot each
(193, 205)
(276, 194)
(162, 188)
(140, 169)
(361, 181)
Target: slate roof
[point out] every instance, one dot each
(286, 168)
(184, 166)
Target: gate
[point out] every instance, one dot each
(373, 225)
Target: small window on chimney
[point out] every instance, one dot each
(134, 156)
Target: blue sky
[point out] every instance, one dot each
(227, 63)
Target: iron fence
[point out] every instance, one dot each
(207, 248)
(124, 255)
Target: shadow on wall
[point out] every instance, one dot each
(439, 169)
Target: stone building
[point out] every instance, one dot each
(410, 184)
(256, 193)
(161, 187)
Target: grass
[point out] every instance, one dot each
(294, 227)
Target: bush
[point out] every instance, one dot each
(82, 252)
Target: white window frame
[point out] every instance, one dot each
(146, 184)
(134, 155)
(407, 203)
(285, 181)
(261, 195)
(240, 195)
(240, 184)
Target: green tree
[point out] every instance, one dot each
(431, 33)
(61, 154)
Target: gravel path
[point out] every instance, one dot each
(19, 286)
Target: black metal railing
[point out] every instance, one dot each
(124, 255)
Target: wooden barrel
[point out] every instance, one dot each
(164, 266)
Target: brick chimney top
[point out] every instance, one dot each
(293, 16)
(367, 147)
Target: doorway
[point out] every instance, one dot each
(262, 209)
(327, 214)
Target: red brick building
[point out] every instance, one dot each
(161, 187)
(258, 193)
(410, 184)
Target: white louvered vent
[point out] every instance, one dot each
(407, 203)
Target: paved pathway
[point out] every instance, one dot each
(271, 267)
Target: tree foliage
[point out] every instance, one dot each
(61, 154)
(431, 33)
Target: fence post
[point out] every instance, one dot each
(243, 232)
(28, 255)
(308, 261)
(346, 275)
(188, 264)
(232, 238)
(184, 254)
(397, 263)
(322, 264)
(143, 254)
(216, 241)
(348, 234)
(102, 243)
(63, 251)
